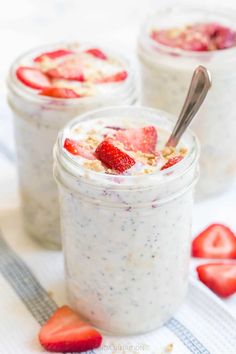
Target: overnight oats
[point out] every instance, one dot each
(171, 44)
(47, 87)
(126, 203)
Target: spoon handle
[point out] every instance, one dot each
(199, 86)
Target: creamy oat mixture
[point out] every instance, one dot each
(71, 72)
(75, 79)
(171, 45)
(125, 233)
(201, 37)
(122, 146)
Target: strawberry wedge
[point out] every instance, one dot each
(97, 53)
(59, 92)
(32, 77)
(121, 76)
(138, 139)
(66, 332)
(70, 69)
(172, 161)
(77, 148)
(219, 277)
(216, 241)
(53, 55)
(113, 158)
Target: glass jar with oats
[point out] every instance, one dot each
(46, 88)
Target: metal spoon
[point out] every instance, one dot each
(199, 86)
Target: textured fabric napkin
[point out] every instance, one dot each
(32, 286)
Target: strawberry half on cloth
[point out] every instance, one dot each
(216, 241)
(67, 332)
(219, 277)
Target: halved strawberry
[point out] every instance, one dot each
(224, 38)
(120, 76)
(53, 55)
(66, 332)
(216, 241)
(32, 77)
(97, 53)
(79, 148)
(219, 277)
(113, 158)
(59, 92)
(70, 69)
(172, 161)
(138, 139)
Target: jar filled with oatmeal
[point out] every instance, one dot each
(126, 211)
(171, 44)
(46, 88)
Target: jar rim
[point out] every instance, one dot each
(71, 166)
(127, 87)
(147, 41)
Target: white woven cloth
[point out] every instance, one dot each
(32, 286)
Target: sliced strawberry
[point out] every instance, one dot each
(59, 92)
(32, 77)
(121, 76)
(53, 55)
(199, 37)
(78, 148)
(172, 161)
(138, 139)
(66, 332)
(97, 53)
(70, 69)
(219, 277)
(224, 38)
(195, 45)
(164, 37)
(216, 241)
(113, 158)
(187, 40)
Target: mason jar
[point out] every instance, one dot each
(166, 73)
(37, 120)
(126, 239)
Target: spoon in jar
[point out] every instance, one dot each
(198, 89)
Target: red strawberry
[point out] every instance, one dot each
(216, 241)
(66, 332)
(219, 277)
(53, 55)
(164, 37)
(121, 76)
(113, 158)
(184, 39)
(78, 148)
(97, 53)
(172, 161)
(70, 69)
(138, 139)
(32, 77)
(195, 45)
(59, 92)
(224, 38)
